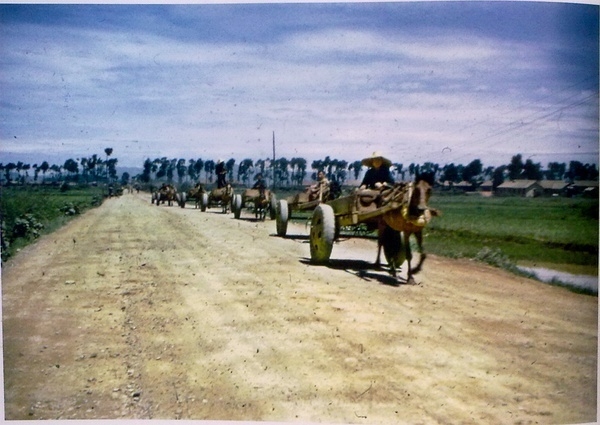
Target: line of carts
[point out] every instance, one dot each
(328, 215)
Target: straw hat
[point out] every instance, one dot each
(369, 161)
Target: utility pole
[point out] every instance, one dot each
(273, 162)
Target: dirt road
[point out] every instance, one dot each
(138, 311)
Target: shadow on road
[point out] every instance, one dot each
(292, 237)
(251, 219)
(362, 269)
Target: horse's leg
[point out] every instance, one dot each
(391, 242)
(419, 236)
(380, 229)
(409, 278)
(378, 259)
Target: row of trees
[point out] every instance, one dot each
(94, 168)
(283, 172)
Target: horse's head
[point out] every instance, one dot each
(419, 201)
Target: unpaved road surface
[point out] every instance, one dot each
(137, 311)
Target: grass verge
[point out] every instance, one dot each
(31, 211)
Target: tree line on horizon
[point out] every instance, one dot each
(93, 168)
(283, 172)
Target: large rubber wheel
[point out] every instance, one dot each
(281, 217)
(272, 206)
(237, 206)
(204, 202)
(322, 233)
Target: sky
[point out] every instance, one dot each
(441, 82)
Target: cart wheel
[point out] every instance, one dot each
(282, 217)
(181, 197)
(237, 205)
(204, 202)
(272, 206)
(322, 233)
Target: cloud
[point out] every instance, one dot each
(204, 81)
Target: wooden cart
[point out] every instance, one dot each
(363, 206)
(285, 207)
(303, 201)
(252, 196)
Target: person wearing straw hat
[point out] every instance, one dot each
(378, 172)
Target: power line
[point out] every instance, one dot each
(525, 123)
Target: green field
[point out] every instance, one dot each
(28, 212)
(559, 233)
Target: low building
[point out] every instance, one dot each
(554, 187)
(486, 186)
(528, 188)
(587, 188)
(464, 186)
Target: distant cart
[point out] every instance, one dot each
(261, 203)
(218, 197)
(303, 201)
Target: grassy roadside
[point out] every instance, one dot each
(29, 212)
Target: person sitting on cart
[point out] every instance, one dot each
(320, 189)
(378, 173)
(260, 183)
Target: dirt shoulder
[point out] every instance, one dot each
(137, 311)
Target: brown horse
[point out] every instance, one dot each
(396, 227)
(223, 196)
(167, 193)
(261, 204)
(196, 193)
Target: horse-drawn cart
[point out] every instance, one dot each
(166, 193)
(401, 207)
(261, 200)
(218, 197)
(303, 201)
